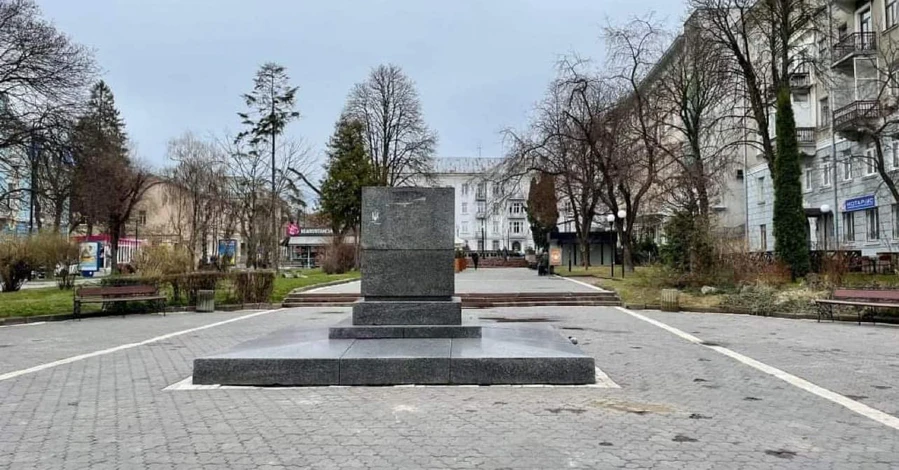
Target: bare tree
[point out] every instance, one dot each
(40, 69)
(763, 42)
(697, 97)
(196, 190)
(249, 196)
(398, 140)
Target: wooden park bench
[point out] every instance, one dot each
(865, 301)
(105, 295)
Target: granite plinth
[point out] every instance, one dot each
(397, 362)
(409, 273)
(408, 218)
(346, 330)
(505, 354)
(408, 312)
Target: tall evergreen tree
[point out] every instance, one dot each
(107, 183)
(271, 107)
(790, 224)
(348, 169)
(542, 209)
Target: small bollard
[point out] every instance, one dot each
(668, 300)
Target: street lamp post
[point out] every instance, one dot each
(611, 219)
(621, 215)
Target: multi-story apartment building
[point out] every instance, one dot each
(490, 213)
(847, 203)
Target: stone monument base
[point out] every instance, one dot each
(506, 353)
(397, 311)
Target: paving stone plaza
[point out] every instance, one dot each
(113, 393)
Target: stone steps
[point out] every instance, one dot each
(474, 300)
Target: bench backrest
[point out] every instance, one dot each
(865, 294)
(122, 291)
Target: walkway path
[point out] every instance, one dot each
(494, 280)
(697, 391)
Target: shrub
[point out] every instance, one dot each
(337, 257)
(55, 253)
(251, 287)
(162, 260)
(15, 263)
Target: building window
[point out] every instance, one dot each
(824, 112)
(482, 190)
(808, 180)
(870, 161)
(516, 227)
(895, 150)
(496, 208)
(849, 226)
(141, 218)
(566, 206)
(517, 208)
(496, 227)
(464, 207)
(495, 245)
(890, 13)
(763, 237)
(847, 170)
(760, 190)
(872, 218)
(895, 221)
(482, 206)
(825, 174)
(497, 189)
(464, 227)
(465, 189)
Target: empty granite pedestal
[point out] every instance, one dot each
(408, 328)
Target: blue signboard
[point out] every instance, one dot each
(859, 203)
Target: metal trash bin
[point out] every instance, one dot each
(668, 300)
(205, 300)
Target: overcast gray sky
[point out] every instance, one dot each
(479, 66)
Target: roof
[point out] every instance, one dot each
(465, 165)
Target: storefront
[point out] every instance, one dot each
(306, 244)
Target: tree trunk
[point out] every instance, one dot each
(882, 170)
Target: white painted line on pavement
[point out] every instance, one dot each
(583, 283)
(69, 360)
(858, 407)
(24, 324)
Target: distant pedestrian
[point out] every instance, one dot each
(474, 259)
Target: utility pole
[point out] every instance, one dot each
(275, 244)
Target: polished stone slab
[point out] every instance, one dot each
(505, 354)
(408, 273)
(408, 218)
(346, 330)
(397, 362)
(408, 312)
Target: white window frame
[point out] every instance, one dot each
(849, 226)
(807, 180)
(496, 227)
(763, 237)
(870, 165)
(495, 244)
(465, 189)
(847, 165)
(825, 175)
(889, 13)
(894, 148)
(760, 190)
(872, 227)
(516, 208)
(516, 227)
(895, 213)
(465, 208)
(464, 227)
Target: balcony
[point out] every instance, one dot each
(800, 81)
(480, 196)
(805, 135)
(852, 45)
(856, 113)
(480, 214)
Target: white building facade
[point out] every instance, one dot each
(490, 214)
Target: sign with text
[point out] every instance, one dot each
(860, 203)
(314, 231)
(555, 257)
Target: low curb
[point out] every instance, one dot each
(736, 311)
(338, 282)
